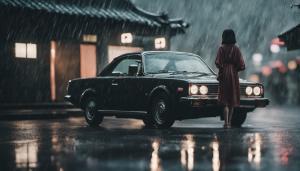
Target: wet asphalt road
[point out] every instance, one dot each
(269, 140)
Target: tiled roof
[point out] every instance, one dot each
(121, 10)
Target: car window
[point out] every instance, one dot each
(122, 67)
(174, 62)
(190, 65)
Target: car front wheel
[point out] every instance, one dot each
(92, 116)
(238, 118)
(159, 113)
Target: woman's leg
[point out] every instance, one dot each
(231, 110)
(226, 117)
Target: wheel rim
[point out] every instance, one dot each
(90, 110)
(159, 110)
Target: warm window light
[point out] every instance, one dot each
(160, 43)
(31, 50)
(52, 70)
(126, 38)
(89, 38)
(20, 50)
(26, 50)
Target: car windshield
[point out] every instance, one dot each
(165, 62)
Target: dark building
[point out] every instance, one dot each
(45, 43)
(291, 38)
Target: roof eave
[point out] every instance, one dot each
(176, 26)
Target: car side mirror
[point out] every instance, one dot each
(133, 70)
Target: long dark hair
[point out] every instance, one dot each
(228, 37)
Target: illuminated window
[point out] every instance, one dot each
(20, 50)
(160, 43)
(89, 38)
(26, 50)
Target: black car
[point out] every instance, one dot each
(159, 88)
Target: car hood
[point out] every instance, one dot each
(192, 78)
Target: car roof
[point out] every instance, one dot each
(153, 52)
(150, 52)
(175, 52)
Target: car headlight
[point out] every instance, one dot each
(256, 91)
(249, 91)
(193, 89)
(203, 90)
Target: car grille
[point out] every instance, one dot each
(243, 90)
(214, 90)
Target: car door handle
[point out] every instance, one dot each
(114, 84)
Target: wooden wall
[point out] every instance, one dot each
(24, 80)
(67, 66)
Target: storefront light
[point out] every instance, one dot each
(160, 43)
(126, 38)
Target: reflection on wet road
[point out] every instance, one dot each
(270, 140)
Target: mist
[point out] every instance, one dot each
(256, 23)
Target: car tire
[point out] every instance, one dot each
(159, 113)
(91, 114)
(238, 118)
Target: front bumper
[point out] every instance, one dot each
(213, 102)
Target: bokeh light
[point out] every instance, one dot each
(257, 58)
(275, 48)
(292, 65)
(254, 78)
(266, 71)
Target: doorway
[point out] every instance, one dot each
(88, 62)
(69, 61)
(65, 66)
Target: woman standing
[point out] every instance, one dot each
(229, 61)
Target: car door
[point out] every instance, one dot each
(132, 87)
(118, 92)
